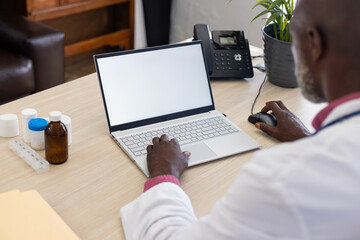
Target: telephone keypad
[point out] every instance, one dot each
(234, 61)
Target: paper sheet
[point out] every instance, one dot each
(26, 215)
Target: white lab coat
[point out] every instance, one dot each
(308, 189)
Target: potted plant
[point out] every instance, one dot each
(279, 61)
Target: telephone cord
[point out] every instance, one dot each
(262, 84)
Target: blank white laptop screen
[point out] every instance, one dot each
(148, 84)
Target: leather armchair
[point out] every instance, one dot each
(31, 57)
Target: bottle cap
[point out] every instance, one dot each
(37, 124)
(55, 116)
(29, 113)
(9, 125)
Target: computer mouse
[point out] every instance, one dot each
(263, 117)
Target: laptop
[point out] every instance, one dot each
(166, 90)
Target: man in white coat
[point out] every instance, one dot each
(306, 188)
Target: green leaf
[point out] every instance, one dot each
(272, 17)
(264, 3)
(262, 13)
(276, 3)
(275, 30)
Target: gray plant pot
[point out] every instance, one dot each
(279, 61)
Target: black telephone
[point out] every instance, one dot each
(227, 54)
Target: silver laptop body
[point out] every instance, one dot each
(166, 90)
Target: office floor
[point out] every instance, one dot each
(83, 64)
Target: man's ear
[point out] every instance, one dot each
(315, 43)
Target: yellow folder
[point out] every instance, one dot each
(26, 215)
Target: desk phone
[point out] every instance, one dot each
(227, 54)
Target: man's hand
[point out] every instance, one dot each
(165, 157)
(288, 128)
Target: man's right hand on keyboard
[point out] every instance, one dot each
(166, 158)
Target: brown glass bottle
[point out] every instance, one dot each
(56, 140)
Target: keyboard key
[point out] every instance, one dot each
(137, 153)
(132, 146)
(209, 132)
(137, 149)
(207, 129)
(224, 132)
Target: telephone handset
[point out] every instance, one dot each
(227, 54)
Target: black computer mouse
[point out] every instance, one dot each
(263, 117)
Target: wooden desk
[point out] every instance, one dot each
(89, 189)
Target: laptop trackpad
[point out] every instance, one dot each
(199, 152)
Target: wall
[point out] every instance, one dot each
(219, 15)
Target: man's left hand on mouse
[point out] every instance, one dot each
(289, 127)
(166, 158)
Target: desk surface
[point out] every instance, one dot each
(98, 178)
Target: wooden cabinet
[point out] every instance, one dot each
(87, 24)
(36, 5)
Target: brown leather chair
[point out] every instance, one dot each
(31, 57)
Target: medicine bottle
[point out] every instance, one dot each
(36, 133)
(56, 139)
(67, 121)
(26, 115)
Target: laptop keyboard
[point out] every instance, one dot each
(185, 133)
